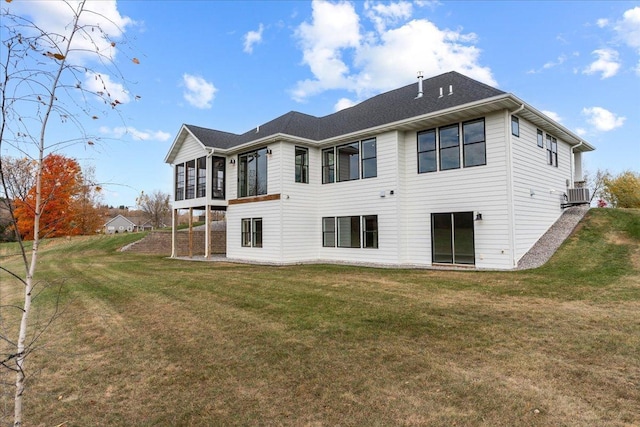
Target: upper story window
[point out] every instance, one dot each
(252, 173)
(201, 184)
(217, 177)
(515, 126)
(449, 147)
(474, 143)
(369, 160)
(349, 162)
(191, 179)
(328, 165)
(179, 182)
(427, 151)
(302, 165)
(552, 151)
(445, 141)
(540, 139)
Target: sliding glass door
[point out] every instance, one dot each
(452, 240)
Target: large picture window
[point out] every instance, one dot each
(350, 231)
(251, 232)
(427, 151)
(302, 165)
(348, 162)
(252, 173)
(449, 147)
(474, 144)
(179, 182)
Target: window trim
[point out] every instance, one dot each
(329, 168)
(540, 138)
(434, 131)
(349, 166)
(328, 233)
(330, 160)
(214, 179)
(201, 179)
(449, 148)
(252, 189)
(366, 232)
(180, 179)
(190, 180)
(331, 232)
(363, 158)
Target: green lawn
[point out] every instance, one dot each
(149, 341)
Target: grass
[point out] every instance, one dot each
(148, 341)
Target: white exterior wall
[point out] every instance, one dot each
(538, 187)
(363, 197)
(476, 189)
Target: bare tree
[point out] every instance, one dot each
(155, 206)
(46, 80)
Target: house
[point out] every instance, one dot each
(119, 224)
(445, 171)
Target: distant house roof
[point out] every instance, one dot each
(440, 93)
(120, 219)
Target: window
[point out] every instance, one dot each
(349, 232)
(348, 159)
(217, 177)
(515, 126)
(201, 185)
(328, 165)
(540, 139)
(449, 147)
(345, 163)
(180, 181)
(329, 232)
(345, 230)
(251, 232)
(370, 234)
(452, 240)
(369, 162)
(302, 165)
(427, 151)
(191, 179)
(552, 151)
(474, 145)
(252, 173)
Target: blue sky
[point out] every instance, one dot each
(235, 65)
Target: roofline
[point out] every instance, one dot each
(175, 141)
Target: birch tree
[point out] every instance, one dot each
(50, 77)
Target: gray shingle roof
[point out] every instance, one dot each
(388, 107)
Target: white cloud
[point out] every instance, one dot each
(602, 119)
(54, 17)
(146, 135)
(381, 59)
(561, 59)
(252, 38)
(198, 92)
(581, 131)
(603, 22)
(552, 115)
(628, 28)
(383, 15)
(607, 63)
(102, 84)
(344, 103)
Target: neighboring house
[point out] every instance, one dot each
(119, 224)
(445, 171)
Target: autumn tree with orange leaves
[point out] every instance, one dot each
(66, 208)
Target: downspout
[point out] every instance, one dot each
(510, 186)
(573, 164)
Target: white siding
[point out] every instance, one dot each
(190, 149)
(538, 187)
(474, 189)
(269, 211)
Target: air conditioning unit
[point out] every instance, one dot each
(578, 196)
